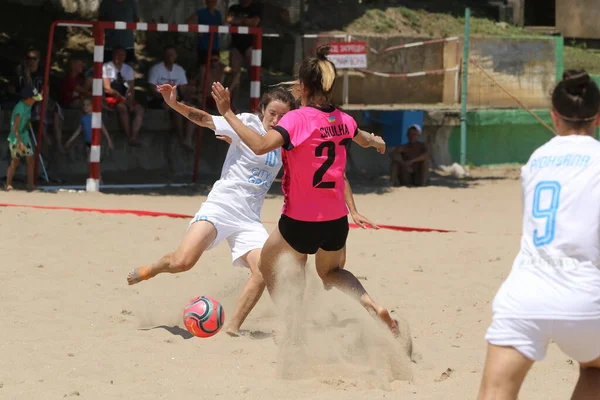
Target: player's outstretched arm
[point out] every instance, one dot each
(257, 143)
(366, 139)
(199, 117)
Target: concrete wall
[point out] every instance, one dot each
(525, 67)
(578, 18)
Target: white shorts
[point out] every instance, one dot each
(242, 235)
(530, 337)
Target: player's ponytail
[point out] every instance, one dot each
(576, 99)
(317, 75)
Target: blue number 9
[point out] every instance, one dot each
(547, 213)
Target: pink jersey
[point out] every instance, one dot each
(314, 161)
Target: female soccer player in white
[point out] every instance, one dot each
(314, 219)
(553, 289)
(232, 210)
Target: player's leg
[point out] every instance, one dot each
(329, 270)
(251, 293)
(513, 346)
(503, 374)
(588, 385)
(198, 238)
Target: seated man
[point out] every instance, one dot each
(410, 162)
(169, 72)
(119, 89)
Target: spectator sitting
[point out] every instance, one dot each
(246, 13)
(29, 73)
(73, 87)
(215, 74)
(410, 162)
(19, 141)
(206, 16)
(85, 126)
(169, 72)
(119, 10)
(119, 88)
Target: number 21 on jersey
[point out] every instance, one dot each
(546, 198)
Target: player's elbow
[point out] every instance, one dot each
(260, 150)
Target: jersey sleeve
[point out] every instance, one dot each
(222, 128)
(294, 129)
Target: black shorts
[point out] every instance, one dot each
(309, 237)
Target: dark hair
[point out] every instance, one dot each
(32, 49)
(118, 47)
(318, 73)
(576, 98)
(276, 94)
(169, 47)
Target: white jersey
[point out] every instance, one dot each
(556, 274)
(245, 178)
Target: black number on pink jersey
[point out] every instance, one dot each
(320, 173)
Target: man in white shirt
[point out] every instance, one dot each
(169, 72)
(119, 90)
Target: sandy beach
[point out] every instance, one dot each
(70, 326)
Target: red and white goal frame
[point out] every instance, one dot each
(99, 27)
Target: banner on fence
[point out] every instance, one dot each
(348, 54)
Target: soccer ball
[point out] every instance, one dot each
(203, 316)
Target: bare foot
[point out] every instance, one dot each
(236, 332)
(137, 275)
(387, 319)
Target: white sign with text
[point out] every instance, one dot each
(348, 54)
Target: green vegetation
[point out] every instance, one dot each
(401, 20)
(411, 22)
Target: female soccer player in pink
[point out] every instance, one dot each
(314, 219)
(233, 207)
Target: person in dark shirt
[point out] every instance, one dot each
(410, 162)
(246, 13)
(119, 10)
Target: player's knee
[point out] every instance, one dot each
(326, 274)
(257, 277)
(15, 161)
(180, 263)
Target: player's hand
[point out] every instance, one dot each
(362, 221)
(20, 145)
(169, 93)
(224, 138)
(222, 98)
(378, 143)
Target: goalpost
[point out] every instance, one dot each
(99, 27)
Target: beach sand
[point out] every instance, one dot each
(70, 326)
